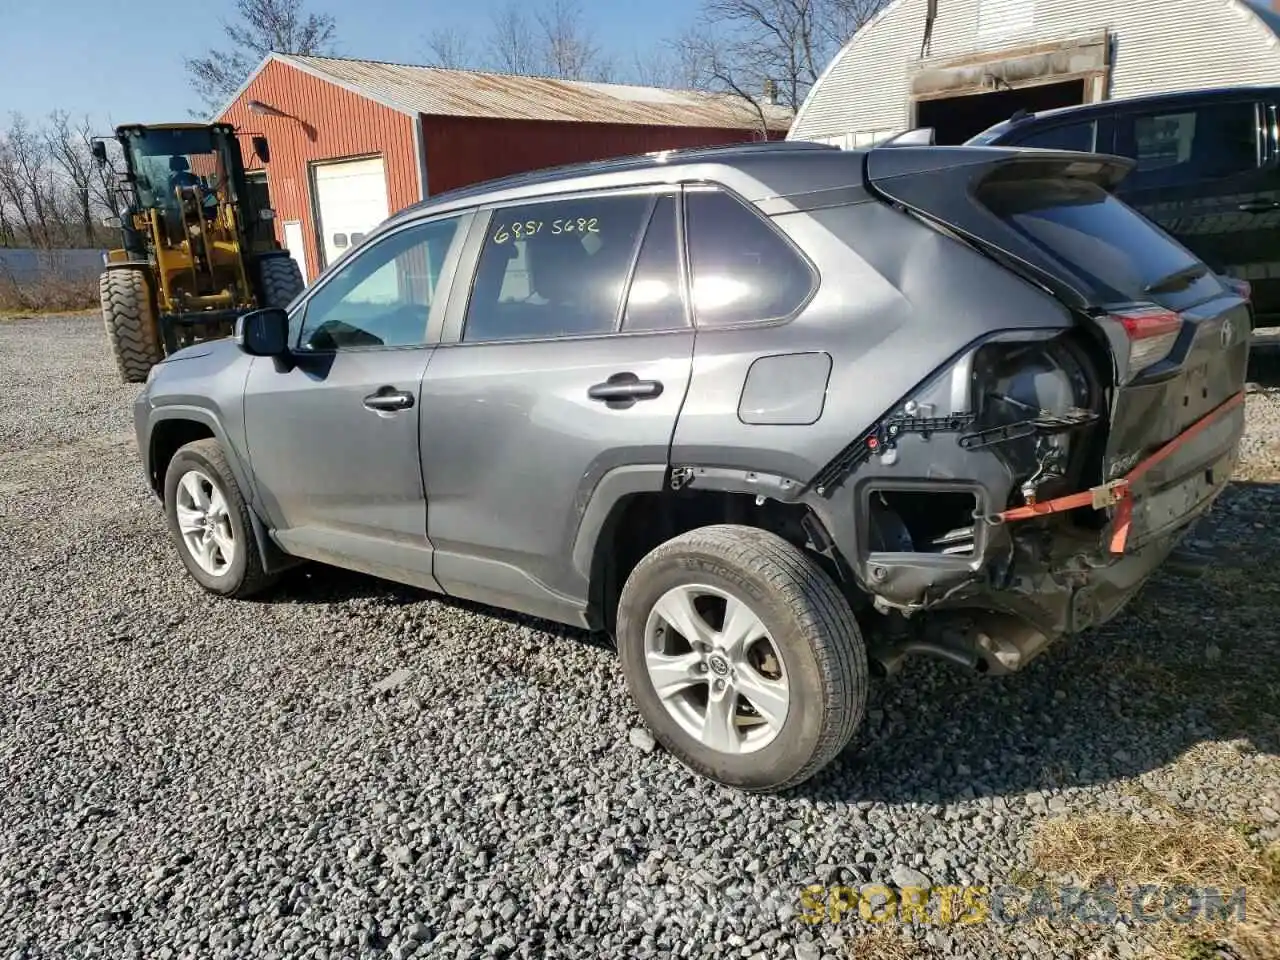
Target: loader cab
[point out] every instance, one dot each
(159, 160)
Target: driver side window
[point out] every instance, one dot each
(382, 296)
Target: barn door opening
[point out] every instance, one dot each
(956, 119)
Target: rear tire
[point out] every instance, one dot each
(129, 314)
(281, 280)
(790, 699)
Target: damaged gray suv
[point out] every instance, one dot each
(773, 416)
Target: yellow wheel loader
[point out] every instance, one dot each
(199, 246)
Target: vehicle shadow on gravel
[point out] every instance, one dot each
(319, 583)
(1195, 657)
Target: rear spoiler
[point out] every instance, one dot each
(938, 184)
(904, 155)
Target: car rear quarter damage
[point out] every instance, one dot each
(1030, 486)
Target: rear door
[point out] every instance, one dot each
(1204, 173)
(566, 356)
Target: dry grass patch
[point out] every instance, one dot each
(884, 943)
(1173, 850)
(47, 294)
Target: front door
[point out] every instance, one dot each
(333, 436)
(1199, 176)
(570, 357)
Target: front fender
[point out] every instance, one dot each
(149, 417)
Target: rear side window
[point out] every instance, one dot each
(743, 271)
(1188, 145)
(555, 268)
(1100, 238)
(1072, 136)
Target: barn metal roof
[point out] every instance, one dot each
(467, 93)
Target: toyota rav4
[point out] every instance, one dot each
(773, 416)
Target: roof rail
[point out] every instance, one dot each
(734, 149)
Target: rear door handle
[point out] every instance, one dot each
(623, 389)
(389, 399)
(1259, 206)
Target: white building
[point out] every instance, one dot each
(961, 65)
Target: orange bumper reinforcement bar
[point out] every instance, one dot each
(1117, 492)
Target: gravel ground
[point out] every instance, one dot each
(352, 769)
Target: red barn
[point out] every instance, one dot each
(353, 141)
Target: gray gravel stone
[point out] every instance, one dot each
(907, 877)
(187, 776)
(642, 739)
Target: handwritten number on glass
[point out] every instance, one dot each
(522, 230)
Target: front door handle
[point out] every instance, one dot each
(389, 399)
(622, 390)
(1259, 206)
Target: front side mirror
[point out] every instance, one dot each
(99, 150)
(264, 333)
(261, 149)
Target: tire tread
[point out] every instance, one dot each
(130, 320)
(281, 280)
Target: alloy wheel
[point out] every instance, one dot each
(715, 668)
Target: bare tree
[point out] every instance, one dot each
(261, 27)
(665, 65)
(448, 47)
(740, 45)
(24, 179)
(713, 68)
(69, 148)
(839, 20)
(512, 46)
(569, 50)
(551, 40)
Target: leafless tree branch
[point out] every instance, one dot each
(261, 27)
(449, 48)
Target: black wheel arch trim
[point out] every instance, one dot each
(274, 558)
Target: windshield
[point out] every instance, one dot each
(1102, 239)
(164, 160)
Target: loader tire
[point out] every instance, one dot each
(129, 315)
(281, 281)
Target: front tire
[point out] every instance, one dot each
(742, 656)
(129, 315)
(210, 522)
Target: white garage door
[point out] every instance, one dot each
(352, 197)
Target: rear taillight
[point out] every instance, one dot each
(1152, 332)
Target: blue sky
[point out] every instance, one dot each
(87, 56)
